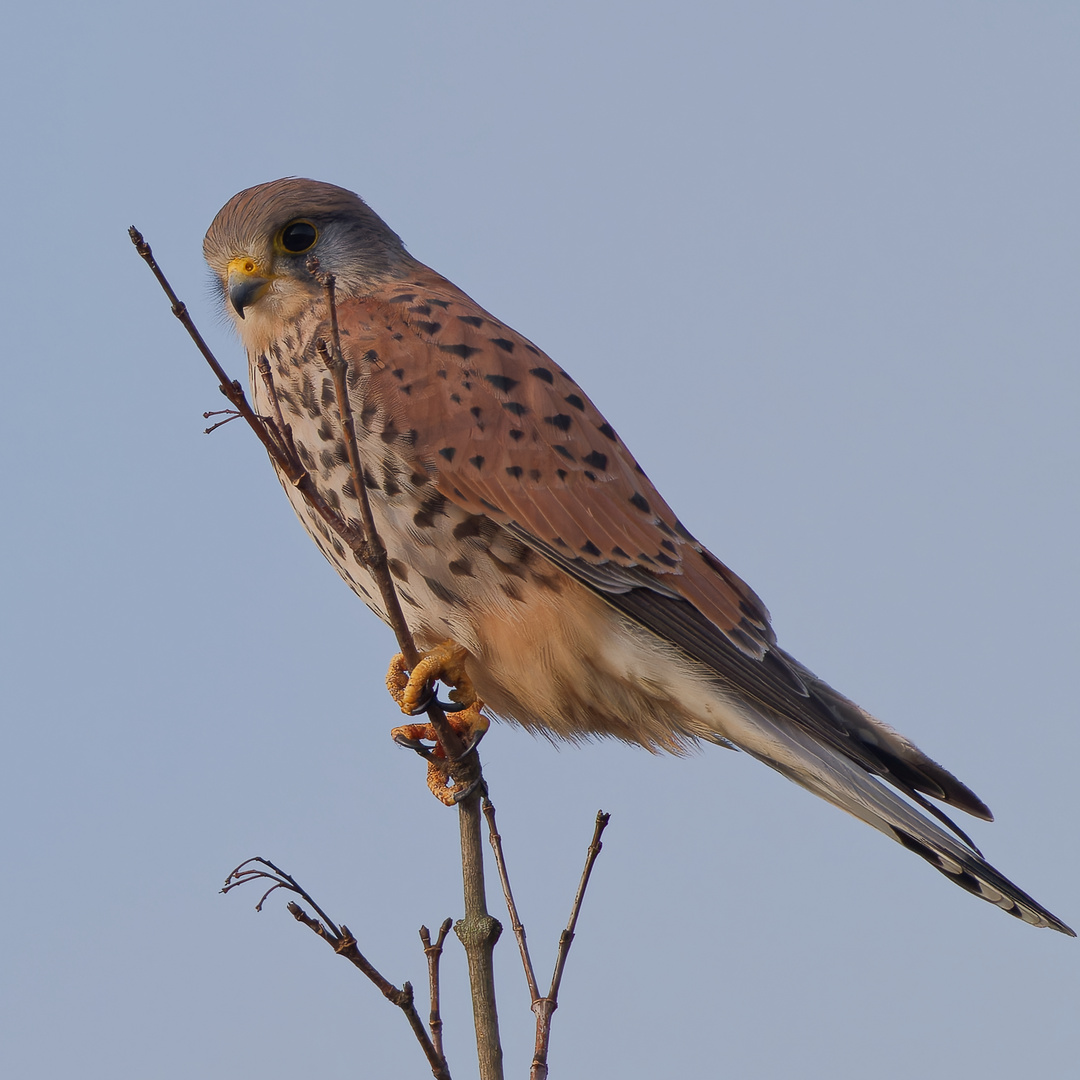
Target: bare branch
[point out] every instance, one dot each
(544, 1007)
(229, 414)
(479, 932)
(246, 872)
(511, 907)
(567, 935)
(375, 554)
(434, 954)
(344, 944)
(283, 430)
(288, 462)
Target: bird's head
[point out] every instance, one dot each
(259, 245)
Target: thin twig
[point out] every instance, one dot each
(245, 872)
(375, 559)
(233, 415)
(284, 431)
(229, 387)
(434, 954)
(567, 935)
(511, 907)
(344, 944)
(264, 429)
(544, 1007)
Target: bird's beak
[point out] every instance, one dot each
(246, 283)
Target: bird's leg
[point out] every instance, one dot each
(413, 693)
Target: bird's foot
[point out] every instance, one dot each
(440, 781)
(414, 692)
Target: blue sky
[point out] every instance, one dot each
(817, 262)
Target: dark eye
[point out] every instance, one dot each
(299, 236)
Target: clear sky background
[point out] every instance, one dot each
(817, 262)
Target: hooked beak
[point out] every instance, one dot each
(246, 283)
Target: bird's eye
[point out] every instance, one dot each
(299, 236)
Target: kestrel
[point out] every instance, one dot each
(520, 528)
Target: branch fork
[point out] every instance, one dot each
(544, 1007)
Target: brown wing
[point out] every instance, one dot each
(506, 433)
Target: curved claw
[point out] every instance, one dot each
(415, 745)
(422, 706)
(453, 706)
(475, 735)
(433, 699)
(468, 789)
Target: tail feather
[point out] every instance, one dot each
(845, 784)
(887, 753)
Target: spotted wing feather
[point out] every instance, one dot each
(508, 434)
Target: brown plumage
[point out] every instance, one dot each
(519, 525)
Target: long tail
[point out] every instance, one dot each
(826, 773)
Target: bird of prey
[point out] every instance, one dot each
(524, 538)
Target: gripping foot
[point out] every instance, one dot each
(414, 692)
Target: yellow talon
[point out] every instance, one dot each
(445, 663)
(397, 678)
